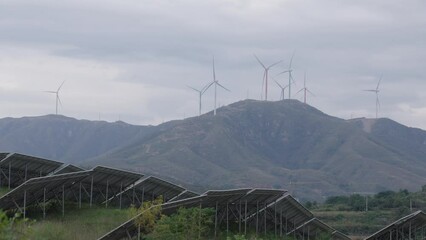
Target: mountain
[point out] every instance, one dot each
(63, 138)
(285, 144)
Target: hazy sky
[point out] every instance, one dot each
(131, 59)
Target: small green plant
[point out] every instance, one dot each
(13, 228)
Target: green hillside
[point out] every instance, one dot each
(284, 144)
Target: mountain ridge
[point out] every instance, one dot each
(283, 144)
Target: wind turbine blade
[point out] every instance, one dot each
(292, 79)
(300, 90)
(286, 71)
(259, 61)
(193, 88)
(207, 87)
(369, 90)
(275, 64)
(278, 84)
(60, 86)
(378, 84)
(291, 60)
(49, 92)
(310, 92)
(223, 87)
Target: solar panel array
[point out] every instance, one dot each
(35, 181)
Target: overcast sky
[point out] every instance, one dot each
(131, 59)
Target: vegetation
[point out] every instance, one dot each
(146, 215)
(13, 227)
(349, 214)
(191, 223)
(85, 223)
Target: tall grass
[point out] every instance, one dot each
(85, 223)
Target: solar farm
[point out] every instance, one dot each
(35, 182)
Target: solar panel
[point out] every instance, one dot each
(3, 155)
(16, 168)
(105, 182)
(40, 189)
(412, 223)
(66, 168)
(147, 189)
(185, 194)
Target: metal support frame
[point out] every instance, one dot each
(215, 220)
(227, 219)
(121, 193)
(264, 213)
(245, 219)
(106, 194)
(79, 196)
(63, 200)
(10, 171)
(25, 203)
(44, 202)
(91, 192)
(257, 218)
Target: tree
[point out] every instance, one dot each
(186, 223)
(146, 215)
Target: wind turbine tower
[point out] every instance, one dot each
(290, 76)
(265, 75)
(305, 89)
(58, 100)
(216, 84)
(200, 94)
(376, 91)
(282, 89)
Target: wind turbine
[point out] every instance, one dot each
(290, 76)
(376, 91)
(305, 89)
(215, 83)
(265, 75)
(200, 92)
(282, 89)
(58, 100)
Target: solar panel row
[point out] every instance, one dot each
(412, 226)
(254, 210)
(37, 181)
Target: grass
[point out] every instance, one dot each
(85, 223)
(357, 223)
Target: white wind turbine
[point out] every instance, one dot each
(216, 83)
(265, 75)
(200, 92)
(376, 91)
(290, 76)
(58, 100)
(305, 89)
(282, 89)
